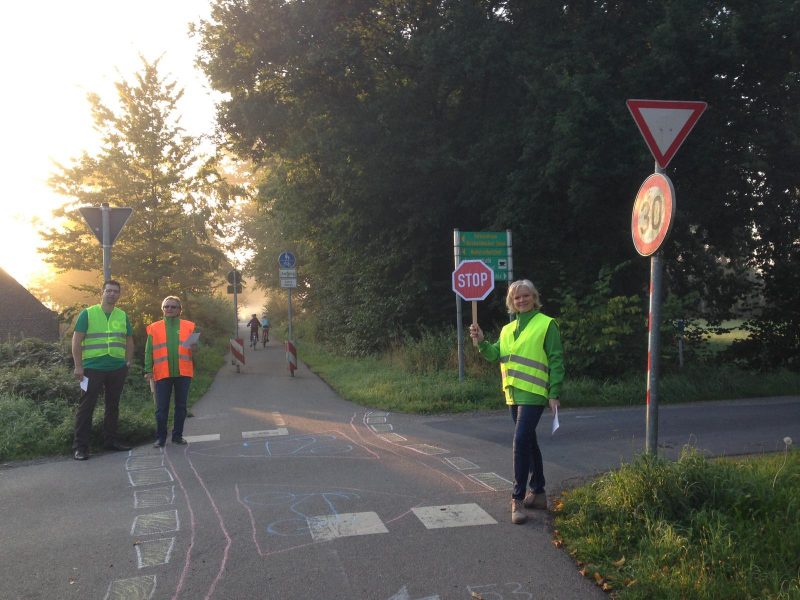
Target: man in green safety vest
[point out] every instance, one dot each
(102, 348)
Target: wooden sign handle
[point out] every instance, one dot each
(474, 319)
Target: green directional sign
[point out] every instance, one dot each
(492, 247)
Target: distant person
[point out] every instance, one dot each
(102, 349)
(264, 329)
(168, 361)
(532, 369)
(254, 324)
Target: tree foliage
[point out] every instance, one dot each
(384, 124)
(178, 195)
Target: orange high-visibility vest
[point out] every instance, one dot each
(158, 331)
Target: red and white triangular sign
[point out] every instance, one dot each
(665, 124)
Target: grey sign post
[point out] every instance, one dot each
(106, 224)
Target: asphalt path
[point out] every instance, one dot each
(287, 491)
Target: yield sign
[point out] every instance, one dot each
(665, 124)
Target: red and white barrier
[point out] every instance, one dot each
(291, 356)
(237, 350)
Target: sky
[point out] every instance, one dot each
(53, 53)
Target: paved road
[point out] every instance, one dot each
(286, 491)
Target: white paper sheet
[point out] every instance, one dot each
(85, 383)
(191, 340)
(555, 420)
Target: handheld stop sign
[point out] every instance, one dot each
(473, 280)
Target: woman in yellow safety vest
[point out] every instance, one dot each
(169, 366)
(532, 369)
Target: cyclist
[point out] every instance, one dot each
(264, 330)
(254, 324)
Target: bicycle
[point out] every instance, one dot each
(253, 339)
(265, 336)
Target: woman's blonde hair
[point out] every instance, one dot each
(512, 290)
(173, 298)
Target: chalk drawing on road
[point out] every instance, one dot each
(453, 515)
(426, 449)
(403, 594)
(279, 421)
(135, 588)
(493, 481)
(154, 497)
(156, 523)
(301, 506)
(144, 461)
(316, 445)
(373, 420)
(154, 552)
(459, 463)
(393, 437)
(265, 433)
(377, 413)
(378, 428)
(329, 527)
(208, 437)
(149, 477)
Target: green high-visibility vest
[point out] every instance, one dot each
(523, 362)
(106, 334)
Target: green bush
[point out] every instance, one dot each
(40, 383)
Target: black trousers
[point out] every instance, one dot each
(110, 383)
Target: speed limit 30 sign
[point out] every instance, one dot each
(653, 213)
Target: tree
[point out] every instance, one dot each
(178, 195)
(386, 124)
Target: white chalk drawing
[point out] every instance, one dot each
(208, 437)
(150, 553)
(144, 461)
(493, 481)
(426, 449)
(459, 463)
(453, 515)
(156, 523)
(135, 588)
(149, 477)
(328, 527)
(403, 594)
(265, 433)
(152, 497)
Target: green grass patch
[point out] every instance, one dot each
(693, 528)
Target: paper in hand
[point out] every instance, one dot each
(85, 383)
(555, 420)
(191, 340)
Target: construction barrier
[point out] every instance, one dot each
(291, 356)
(237, 352)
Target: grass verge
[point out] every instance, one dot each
(693, 528)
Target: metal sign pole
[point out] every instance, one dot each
(653, 349)
(289, 290)
(459, 313)
(235, 303)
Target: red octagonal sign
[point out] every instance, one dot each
(473, 280)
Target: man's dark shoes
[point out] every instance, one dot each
(80, 454)
(179, 441)
(158, 444)
(116, 446)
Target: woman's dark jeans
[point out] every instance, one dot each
(164, 389)
(527, 456)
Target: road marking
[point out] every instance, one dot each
(426, 449)
(156, 523)
(149, 476)
(371, 420)
(154, 497)
(493, 481)
(210, 437)
(154, 552)
(403, 594)
(265, 433)
(377, 414)
(394, 437)
(459, 463)
(144, 461)
(135, 588)
(329, 527)
(453, 515)
(381, 428)
(279, 419)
